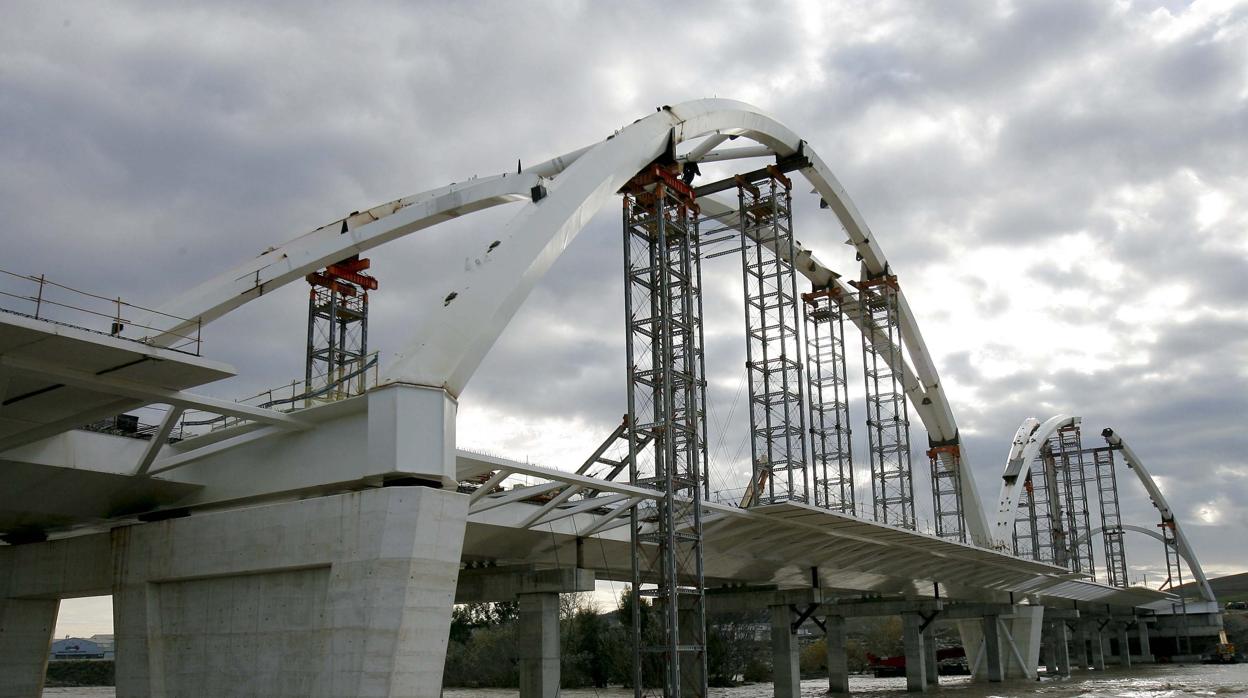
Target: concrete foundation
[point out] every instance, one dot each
(784, 654)
(916, 661)
(348, 594)
(1061, 647)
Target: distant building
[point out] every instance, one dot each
(79, 648)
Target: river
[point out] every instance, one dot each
(1147, 681)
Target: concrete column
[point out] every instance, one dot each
(1061, 647)
(1124, 646)
(916, 662)
(784, 654)
(1146, 649)
(537, 645)
(1098, 649)
(992, 648)
(1050, 649)
(25, 633)
(1025, 630)
(1081, 646)
(930, 667)
(838, 662)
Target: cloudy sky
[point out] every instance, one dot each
(1060, 187)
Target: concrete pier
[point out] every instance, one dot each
(347, 594)
(916, 662)
(1099, 650)
(992, 648)
(1124, 646)
(932, 667)
(1146, 649)
(838, 661)
(1080, 658)
(784, 654)
(537, 645)
(1061, 647)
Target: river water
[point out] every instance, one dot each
(1147, 681)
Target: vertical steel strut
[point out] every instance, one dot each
(773, 350)
(665, 409)
(888, 417)
(1111, 518)
(831, 453)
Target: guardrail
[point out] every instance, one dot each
(42, 299)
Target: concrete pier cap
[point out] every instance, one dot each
(411, 432)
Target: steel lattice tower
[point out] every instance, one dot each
(1026, 524)
(830, 431)
(946, 464)
(1111, 518)
(1067, 448)
(665, 392)
(338, 330)
(773, 350)
(888, 417)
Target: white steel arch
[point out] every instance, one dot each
(562, 195)
(1028, 441)
(1202, 583)
(1181, 544)
(1031, 437)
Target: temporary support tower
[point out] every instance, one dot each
(888, 417)
(1067, 448)
(338, 330)
(1111, 518)
(773, 350)
(1027, 523)
(946, 464)
(831, 453)
(665, 387)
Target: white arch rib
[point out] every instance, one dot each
(1028, 441)
(466, 318)
(1192, 563)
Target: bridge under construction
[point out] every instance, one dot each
(312, 540)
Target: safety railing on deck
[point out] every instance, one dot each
(42, 299)
(294, 395)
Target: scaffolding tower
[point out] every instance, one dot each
(337, 358)
(773, 351)
(888, 417)
(1174, 580)
(1027, 524)
(665, 393)
(1067, 448)
(1111, 518)
(831, 452)
(946, 464)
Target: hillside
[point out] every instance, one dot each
(1233, 587)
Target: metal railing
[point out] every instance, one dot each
(288, 396)
(42, 299)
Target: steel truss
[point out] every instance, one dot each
(831, 452)
(1027, 537)
(888, 417)
(338, 330)
(665, 408)
(946, 464)
(1111, 518)
(1067, 452)
(773, 351)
